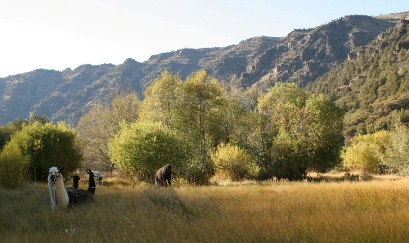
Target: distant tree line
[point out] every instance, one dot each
(199, 125)
(204, 129)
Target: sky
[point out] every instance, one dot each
(60, 34)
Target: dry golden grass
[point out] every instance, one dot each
(370, 211)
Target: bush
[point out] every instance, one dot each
(140, 149)
(199, 173)
(234, 163)
(46, 145)
(13, 167)
(366, 152)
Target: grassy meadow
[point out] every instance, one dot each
(368, 211)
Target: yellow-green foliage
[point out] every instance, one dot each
(13, 166)
(366, 152)
(140, 149)
(233, 162)
(375, 211)
(397, 150)
(46, 145)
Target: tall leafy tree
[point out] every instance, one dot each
(299, 131)
(161, 100)
(198, 110)
(276, 109)
(201, 118)
(100, 124)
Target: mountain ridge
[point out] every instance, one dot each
(256, 63)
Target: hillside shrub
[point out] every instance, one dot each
(233, 163)
(13, 167)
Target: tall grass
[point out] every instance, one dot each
(375, 211)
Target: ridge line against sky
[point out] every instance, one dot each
(59, 34)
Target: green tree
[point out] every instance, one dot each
(7, 131)
(5, 136)
(324, 132)
(41, 119)
(100, 124)
(277, 111)
(140, 149)
(46, 145)
(161, 100)
(198, 110)
(201, 119)
(298, 131)
(397, 149)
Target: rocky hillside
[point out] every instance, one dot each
(307, 54)
(373, 85)
(258, 62)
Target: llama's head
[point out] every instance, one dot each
(95, 174)
(98, 175)
(54, 173)
(90, 172)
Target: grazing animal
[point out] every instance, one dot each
(163, 176)
(61, 199)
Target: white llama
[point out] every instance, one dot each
(58, 194)
(61, 199)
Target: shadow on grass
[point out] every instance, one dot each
(168, 199)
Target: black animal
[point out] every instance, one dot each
(91, 182)
(75, 182)
(80, 196)
(163, 176)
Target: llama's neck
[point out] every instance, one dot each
(75, 183)
(91, 183)
(59, 196)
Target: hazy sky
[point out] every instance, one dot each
(59, 34)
